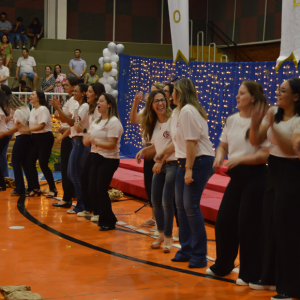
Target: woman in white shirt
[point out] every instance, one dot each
(239, 217)
(195, 155)
(40, 148)
(79, 152)
(104, 136)
(3, 128)
(281, 207)
(156, 128)
(21, 145)
(66, 143)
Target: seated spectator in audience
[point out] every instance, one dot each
(6, 51)
(5, 26)
(35, 30)
(4, 73)
(48, 82)
(18, 32)
(91, 77)
(60, 80)
(77, 66)
(21, 87)
(27, 67)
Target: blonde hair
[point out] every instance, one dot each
(113, 109)
(159, 85)
(149, 116)
(188, 95)
(15, 103)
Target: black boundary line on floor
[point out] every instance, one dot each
(22, 209)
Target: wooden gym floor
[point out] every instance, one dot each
(62, 256)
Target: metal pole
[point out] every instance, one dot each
(265, 20)
(162, 23)
(114, 20)
(234, 16)
(191, 38)
(226, 57)
(202, 45)
(207, 17)
(215, 47)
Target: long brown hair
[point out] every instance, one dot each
(113, 109)
(149, 116)
(98, 89)
(188, 95)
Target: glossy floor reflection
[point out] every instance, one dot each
(63, 256)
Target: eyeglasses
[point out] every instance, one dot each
(162, 100)
(280, 91)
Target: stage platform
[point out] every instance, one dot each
(129, 179)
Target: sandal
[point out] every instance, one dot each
(52, 194)
(35, 192)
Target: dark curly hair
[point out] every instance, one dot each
(42, 98)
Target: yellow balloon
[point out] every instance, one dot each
(107, 67)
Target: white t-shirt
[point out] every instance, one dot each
(94, 116)
(21, 115)
(190, 125)
(102, 132)
(10, 124)
(3, 126)
(286, 128)
(26, 65)
(162, 136)
(234, 134)
(39, 116)
(3, 73)
(69, 107)
(83, 114)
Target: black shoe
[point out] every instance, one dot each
(65, 205)
(177, 260)
(52, 194)
(105, 228)
(281, 296)
(258, 285)
(34, 192)
(14, 193)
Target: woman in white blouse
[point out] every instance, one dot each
(239, 217)
(40, 148)
(104, 136)
(21, 145)
(281, 207)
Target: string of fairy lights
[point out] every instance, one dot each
(217, 85)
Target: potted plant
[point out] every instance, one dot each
(55, 160)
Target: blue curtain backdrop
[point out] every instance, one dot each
(217, 85)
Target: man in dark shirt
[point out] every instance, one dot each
(22, 87)
(18, 32)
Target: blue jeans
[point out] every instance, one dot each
(163, 193)
(18, 36)
(77, 158)
(192, 234)
(3, 159)
(19, 157)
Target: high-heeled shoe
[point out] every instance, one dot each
(52, 194)
(167, 244)
(35, 192)
(157, 243)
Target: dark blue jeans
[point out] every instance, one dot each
(192, 234)
(77, 158)
(19, 157)
(163, 193)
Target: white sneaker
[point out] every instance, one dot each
(17, 47)
(176, 236)
(153, 229)
(241, 282)
(32, 48)
(95, 218)
(149, 222)
(210, 272)
(84, 214)
(261, 287)
(71, 211)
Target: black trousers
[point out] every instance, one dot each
(3, 144)
(281, 227)
(88, 202)
(148, 174)
(239, 223)
(68, 187)
(40, 149)
(101, 174)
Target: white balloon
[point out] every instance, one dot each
(115, 58)
(107, 59)
(114, 65)
(110, 80)
(120, 48)
(100, 61)
(102, 80)
(101, 68)
(114, 72)
(106, 52)
(115, 85)
(115, 93)
(112, 47)
(106, 74)
(107, 87)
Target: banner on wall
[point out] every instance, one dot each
(290, 33)
(179, 24)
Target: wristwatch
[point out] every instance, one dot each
(84, 130)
